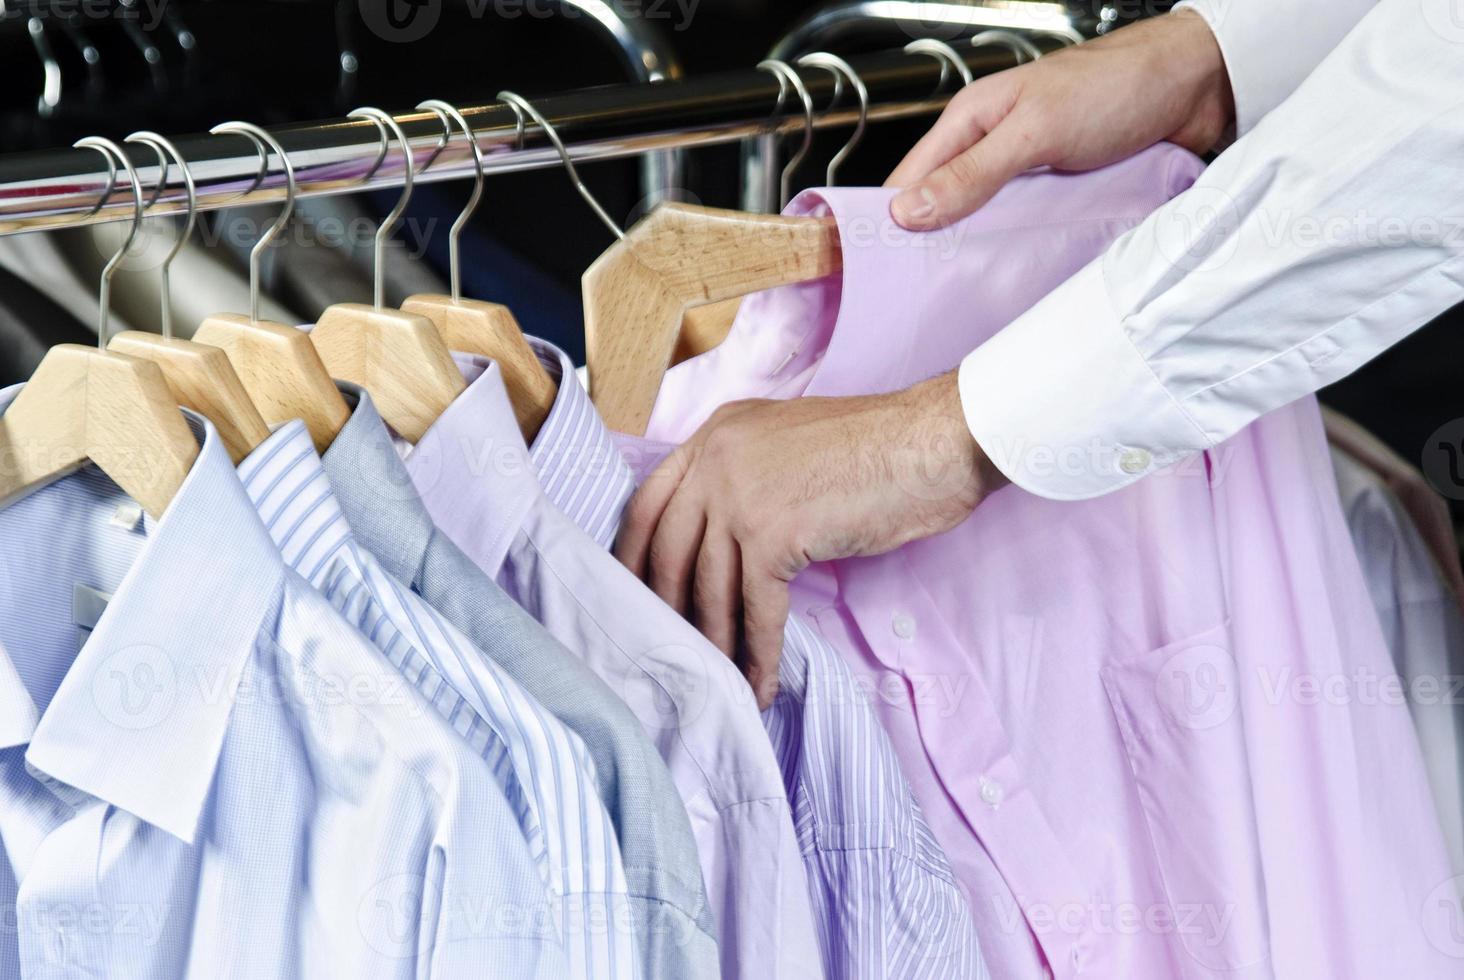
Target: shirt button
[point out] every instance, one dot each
(1134, 461)
(904, 626)
(992, 792)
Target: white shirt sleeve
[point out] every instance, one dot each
(1269, 46)
(1328, 233)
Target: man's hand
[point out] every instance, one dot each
(1075, 109)
(764, 488)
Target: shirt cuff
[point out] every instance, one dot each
(1065, 406)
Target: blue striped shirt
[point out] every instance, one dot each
(544, 768)
(885, 900)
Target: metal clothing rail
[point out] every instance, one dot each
(643, 52)
(59, 188)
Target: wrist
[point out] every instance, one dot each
(948, 458)
(1191, 54)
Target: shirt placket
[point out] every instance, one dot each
(971, 753)
(65, 926)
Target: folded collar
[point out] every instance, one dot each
(473, 469)
(140, 718)
(373, 487)
(581, 470)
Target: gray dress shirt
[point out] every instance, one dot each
(674, 926)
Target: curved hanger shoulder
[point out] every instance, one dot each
(278, 367)
(681, 256)
(491, 330)
(117, 411)
(398, 357)
(202, 379)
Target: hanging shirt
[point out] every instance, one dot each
(672, 918)
(204, 768)
(1422, 626)
(1144, 727)
(476, 480)
(883, 893)
(546, 772)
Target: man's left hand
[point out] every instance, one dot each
(764, 488)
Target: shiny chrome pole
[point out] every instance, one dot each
(56, 188)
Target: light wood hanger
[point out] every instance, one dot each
(277, 364)
(705, 327)
(398, 357)
(84, 404)
(678, 257)
(477, 327)
(199, 376)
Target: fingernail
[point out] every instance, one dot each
(915, 204)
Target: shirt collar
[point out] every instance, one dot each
(288, 484)
(473, 469)
(575, 457)
(371, 483)
(140, 718)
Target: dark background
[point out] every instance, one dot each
(183, 66)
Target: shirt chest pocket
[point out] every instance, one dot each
(1179, 711)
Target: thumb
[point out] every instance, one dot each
(967, 181)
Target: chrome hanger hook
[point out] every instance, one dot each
(1024, 49)
(389, 128)
(111, 150)
(449, 115)
(111, 185)
(519, 103)
(842, 71)
(162, 146)
(787, 76)
(946, 55)
(263, 143)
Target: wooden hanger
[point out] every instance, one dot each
(199, 376)
(398, 357)
(276, 364)
(680, 256)
(92, 404)
(488, 329)
(704, 327)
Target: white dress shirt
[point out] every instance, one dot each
(1332, 228)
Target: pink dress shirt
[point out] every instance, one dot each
(1146, 728)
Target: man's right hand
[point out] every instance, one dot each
(1076, 109)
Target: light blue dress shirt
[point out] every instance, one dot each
(885, 899)
(673, 920)
(545, 770)
(205, 771)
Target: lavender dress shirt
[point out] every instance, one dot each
(1145, 728)
(474, 476)
(883, 893)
